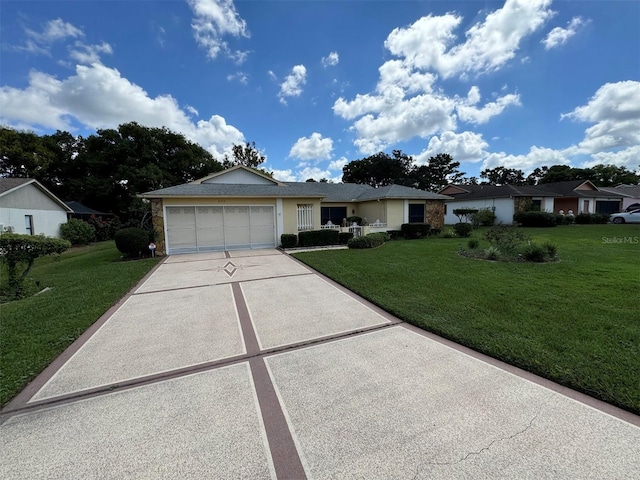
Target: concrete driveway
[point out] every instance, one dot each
(251, 365)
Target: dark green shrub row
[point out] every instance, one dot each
(395, 234)
(463, 229)
(288, 240)
(132, 242)
(369, 241)
(415, 230)
(77, 232)
(315, 238)
(105, 228)
(565, 219)
(591, 218)
(344, 237)
(536, 219)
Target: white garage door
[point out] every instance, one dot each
(205, 229)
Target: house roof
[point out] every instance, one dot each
(328, 192)
(8, 185)
(558, 189)
(79, 208)
(632, 191)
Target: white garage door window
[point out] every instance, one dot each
(204, 229)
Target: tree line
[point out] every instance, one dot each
(107, 170)
(441, 170)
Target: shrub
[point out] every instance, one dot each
(395, 234)
(288, 240)
(435, 231)
(344, 237)
(77, 232)
(315, 238)
(506, 237)
(473, 243)
(16, 249)
(368, 241)
(354, 218)
(463, 229)
(132, 241)
(105, 229)
(591, 218)
(450, 233)
(550, 249)
(415, 230)
(536, 219)
(484, 217)
(534, 253)
(463, 213)
(492, 253)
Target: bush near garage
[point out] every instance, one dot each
(288, 240)
(318, 238)
(78, 232)
(536, 219)
(371, 240)
(591, 218)
(132, 242)
(415, 230)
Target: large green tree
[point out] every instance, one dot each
(437, 173)
(503, 176)
(380, 169)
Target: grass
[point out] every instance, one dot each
(576, 321)
(84, 282)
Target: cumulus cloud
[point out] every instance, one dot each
(99, 97)
(615, 112)
(88, 54)
(312, 148)
(213, 20)
(465, 146)
(293, 83)
(536, 157)
(467, 111)
(338, 165)
(559, 36)
(330, 60)
(428, 44)
(55, 30)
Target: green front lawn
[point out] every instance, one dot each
(576, 321)
(84, 282)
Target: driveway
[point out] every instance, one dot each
(250, 365)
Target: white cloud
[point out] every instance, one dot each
(312, 148)
(536, 157)
(192, 110)
(241, 77)
(629, 157)
(559, 36)
(293, 83)
(55, 30)
(615, 112)
(465, 146)
(428, 43)
(88, 54)
(330, 60)
(337, 165)
(469, 113)
(282, 175)
(99, 97)
(213, 20)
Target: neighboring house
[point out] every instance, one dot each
(82, 212)
(28, 207)
(630, 194)
(579, 196)
(241, 208)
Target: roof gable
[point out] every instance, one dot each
(239, 175)
(10, 185)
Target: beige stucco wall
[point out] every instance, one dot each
(372, 211)
(290, 213)
(395, 214)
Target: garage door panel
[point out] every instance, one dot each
(210, 231)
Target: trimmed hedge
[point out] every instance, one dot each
(133, 242)
(536, 219)
(344, 237)
(415, 230)
(368, 241)
(463, 229)
(395, 234)
(317, 238)
(288, 240)
(591, 218)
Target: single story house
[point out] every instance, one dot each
(630, 194)
(241, 208)
(82, 212)
(27, 207)
(578, 196)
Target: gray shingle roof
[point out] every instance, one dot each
(329, 192)
(557, 189)
(7, 184)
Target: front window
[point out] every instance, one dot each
(334, 215)
(305, 217)
(416, 213)
(28, 224)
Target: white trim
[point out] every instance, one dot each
(405, 213)
(279, 220)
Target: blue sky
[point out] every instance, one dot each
(316, 84)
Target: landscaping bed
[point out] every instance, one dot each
(574, 321)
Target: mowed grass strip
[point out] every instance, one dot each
(85, 282)
(576, 321)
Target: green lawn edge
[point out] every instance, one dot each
(84, 283)
(575, 321)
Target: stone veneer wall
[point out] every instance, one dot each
(521, 204)
(434, 211)
(157, 218)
